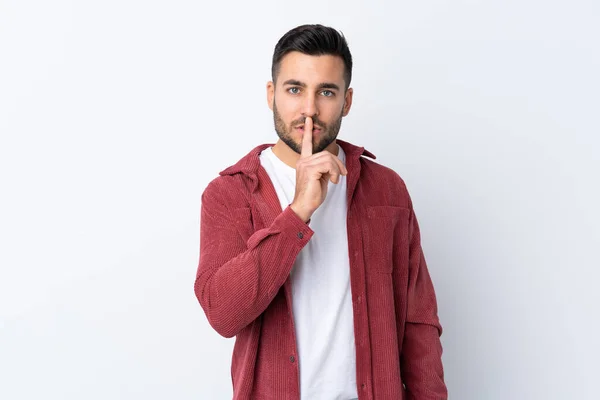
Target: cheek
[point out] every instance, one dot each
(331, 110)
(288, 110)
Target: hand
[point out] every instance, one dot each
(313, 173)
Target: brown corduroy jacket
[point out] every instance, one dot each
(248, 245)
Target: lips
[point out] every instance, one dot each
(315, 128)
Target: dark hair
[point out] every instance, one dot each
(313, 40)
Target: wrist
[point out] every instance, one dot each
(303, 215)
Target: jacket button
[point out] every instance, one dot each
(292, 359)
(363, 386)
(300, 235)
(359, 299)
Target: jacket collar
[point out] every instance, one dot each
(250, 163)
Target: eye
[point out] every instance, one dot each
(327, 93)
(294, 90)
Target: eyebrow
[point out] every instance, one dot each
(324, 85)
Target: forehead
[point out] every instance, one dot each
(311, 69)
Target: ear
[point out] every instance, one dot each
(270, 94)
(347, 101)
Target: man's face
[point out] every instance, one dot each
(309, 86)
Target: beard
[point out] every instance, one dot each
(327, 135)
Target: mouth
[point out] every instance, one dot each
(316, 129)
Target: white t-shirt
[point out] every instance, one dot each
(321, 297)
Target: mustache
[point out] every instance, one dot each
(316, 121)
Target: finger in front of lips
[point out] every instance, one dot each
(307, 138)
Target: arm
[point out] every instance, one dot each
(238, 279)
(421, 357)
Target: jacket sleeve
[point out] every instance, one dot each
(237, 279)
(421, 356)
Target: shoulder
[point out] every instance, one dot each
(384, 183)
(230, 191)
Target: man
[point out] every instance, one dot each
(310, 253)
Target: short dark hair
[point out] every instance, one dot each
(313, 40)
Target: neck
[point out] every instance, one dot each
(290, 157)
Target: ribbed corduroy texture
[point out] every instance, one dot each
(247, 249)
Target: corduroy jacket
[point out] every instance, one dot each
(248, 245)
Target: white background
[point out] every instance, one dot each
(114, 116)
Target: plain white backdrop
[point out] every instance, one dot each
(114, 116)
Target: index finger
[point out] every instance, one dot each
(307, 145)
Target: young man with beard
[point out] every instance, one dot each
(310, 252)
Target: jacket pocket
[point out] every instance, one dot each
(385, 230)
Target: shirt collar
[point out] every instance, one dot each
(250, 163)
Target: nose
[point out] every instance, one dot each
(310, 106)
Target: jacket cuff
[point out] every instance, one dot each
(294, 225)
